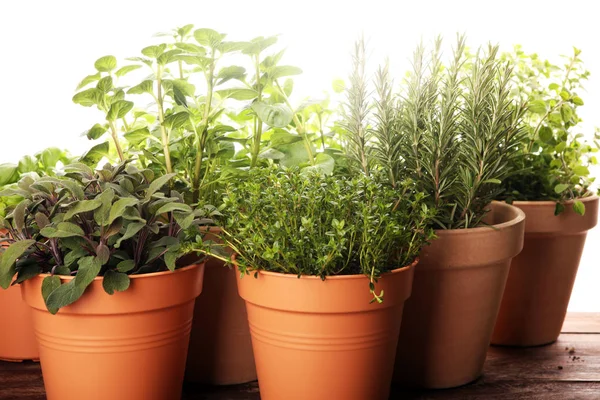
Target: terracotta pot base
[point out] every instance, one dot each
(457, 289)
(17, 339)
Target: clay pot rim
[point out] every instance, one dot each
(552, 203)
(519, 217)
(140, 276)
(332, 277)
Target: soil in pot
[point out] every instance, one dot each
(541, 277)
(323, 340)
(457, 289)
(128, 346)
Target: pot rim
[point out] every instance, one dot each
(520, 216)
(334, 277)
(148, 275)
(552, 203)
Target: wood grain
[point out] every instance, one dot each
(566, 370)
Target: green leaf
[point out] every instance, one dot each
(119, 109)
(561, 187)
(537, 107)
(105, 84)
(138, 136)
(62, 270)
(545, 134)
(559, 208)
(19, 214)
(62, 230)
(132, 229)
(238, 93)
(177, 120)
(191, 48)
(89, 97)
(41, 220)
(96, 132)
(95, 154)
(171, 206)
(119, 206)
(231, 72)
(284, 70)
(171, 259)
(102, 253)
(566, 112)
(102, 213)
(564, 95)
(168, 57)
(8, 259)
(577, 101)
(560, 147)
(28, 271)
(146, 86)
(8, 174)
(184, 221)
(115, 281)
(208, 37)
(126, 69)
(553, 86)
(82, 206)
(579, 207)
(66, 294)
(88, 79)
(125, 266)
(581, 170)
(74, 255)
(259, 44)
(277, 115)
(154, 51)
(324, 163)
(49, 285)
(338, 85)
(157, 184)
(106, 64)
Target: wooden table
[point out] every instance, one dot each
(566, 370)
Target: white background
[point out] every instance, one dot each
(48, 46)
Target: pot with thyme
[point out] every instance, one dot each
(552, 187)
(99, 250)
(452, 131)
(17, 340)
(325, 265)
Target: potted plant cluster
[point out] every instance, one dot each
(17, 341)
(325, 263)
(99, 250)
(552, 187)
(453, 131)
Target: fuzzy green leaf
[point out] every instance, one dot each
(119, 206)
(579, 207)
(106, 64)
(126, 69)
(119, 109)
(8, 259)
(125, 266)
(277, 115)
(82, 206)
(157, 184)
(115, 281)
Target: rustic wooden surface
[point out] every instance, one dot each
(566, 370)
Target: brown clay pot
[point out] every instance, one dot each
(128, 346)
(323, 340)
(457, 289)
(17, 341)
(220, 350)
(541, 277)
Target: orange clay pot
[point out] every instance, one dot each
(128, 346)
(17, 341)
(220, 350)
(541, 277)
(449, 319)
(324, 340)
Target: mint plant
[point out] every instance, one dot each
(556, 159)
(307, 223)
(113, 223)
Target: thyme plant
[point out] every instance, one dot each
(307, 223)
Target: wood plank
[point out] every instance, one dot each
(579, 322)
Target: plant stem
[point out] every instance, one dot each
(161, 118)
(257, 121)
(115, 137)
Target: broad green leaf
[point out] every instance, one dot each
(191, 48)
(338, 85)
(96, 132)
(537, 107)
(125, 266)
(126, 69)
(231, 72)
(132, 229)
(81, 207)
(105, 84)
(271, 154)
(119, 109)
(168, 57)
(295, 154)
(74, 255)
(208, 37)
(89, 97)
(577, 101)
(115, 281)
(102, 253)
(579, 207)
(138, 136)
(157, 184)
(257, 45)
(560, 147)
(28, 271)
(66, 294)
(41, 220)
(106, 64)
(113, 228)
(18, 214)
(324, 163)
(277, 115)
(8, 259)
(561, 187)
(171, 206)
(545, 134)
(49, 285)
(177, 120)
(119, 206)
(62, 270)
(154, 51)
(238, 93)
(581, 170)
(184, 220)
(566, 112)
(8, 174)
(564, 95)
(62, 230)
(102, 213)
(284, 70)
(146, 86)
(553, 86)
(88, 79)
(95, 154)
(27, 164)
(171, 259)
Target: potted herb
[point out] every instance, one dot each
(452, 131)
(17, 341)
(552, 187)
(99, 250)
(325, 265)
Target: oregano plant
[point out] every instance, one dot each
(113, 223)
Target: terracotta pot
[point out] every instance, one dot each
(220, 350)
(128, 346)
(323, 340)
(541, 277)
(17, 341)
(457, 289)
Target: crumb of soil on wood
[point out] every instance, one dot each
(560, 367)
